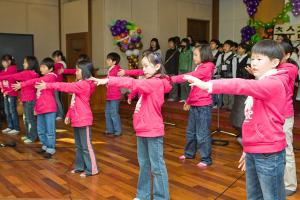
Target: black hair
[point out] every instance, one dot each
(192, 42)
(172, 39)
(177, 41)
(85, 71)
(269, 48)
(229, 42)
(215, 41)
(59, 53)
(185, 40)
(235, 44)
(205, 53)
(33, 63)
(287, 47)
(296, 50)
(114, 57)
(85, 58)
(49, 62)
(157, 44)
(8, 58)
(245, 46)
(155, 58)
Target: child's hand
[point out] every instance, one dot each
(61, 71)
(42, 85)
(121, 72)
(129, 101)
(67, 120)
(16, 86)
(196, 82)
(99, 81)
(186, 107)
(249, 69)
(242, 163)
(34, 113)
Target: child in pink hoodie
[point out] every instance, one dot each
(10, 96)
(59, 65)
(148, 124)
(80, 116)
(263, 137)
(45, 108)
(28, 96)
(199, 105)
(113, 97)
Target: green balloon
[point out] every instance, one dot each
(274, 21)
(289, 6)
(255, 38)
(286, 18)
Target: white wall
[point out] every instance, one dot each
(156, 18)
(232, 17)
(74, 19)
(37, 17)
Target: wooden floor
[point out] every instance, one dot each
(24, 174)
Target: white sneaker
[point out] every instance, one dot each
(6, 130)
(24, 138)
(58, 118)
(13, 132)
(136, 199)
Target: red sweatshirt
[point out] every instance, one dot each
(57, 67)
(112, 92)
(80, 110)
(264, 116)
(45, 98)
(6, 85)
(147, 117)
(198, 97)
(27, 93)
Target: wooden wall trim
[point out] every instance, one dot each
(215, 19)
(90, 30)
(59, 23)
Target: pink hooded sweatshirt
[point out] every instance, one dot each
(45, 102)
(27, 93)
(264, 110)
(5, 84)
(112, 92)
(57, 67)
(80, 110)
(147, 117)
(292, 72)
(198, 97)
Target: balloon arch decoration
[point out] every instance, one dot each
(251, 33)
(127, 36)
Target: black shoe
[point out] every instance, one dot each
(289, 192)
(40, 151)
(47, 155)
(109, 134)
(118, 135)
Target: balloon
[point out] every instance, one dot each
(139, 31)
(122, 49)
(114, 33)
(139, 45)
(131, 46)
(286, 18)
(128, 53)
(136, 52)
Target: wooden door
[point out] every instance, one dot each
(198, 29)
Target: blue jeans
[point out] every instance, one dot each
(30, 121)
(151, 161)
(60, 109)
(265, 176)
(10, 109)
(46, 131)
(198, 134)
(85, 157)
(112, 116)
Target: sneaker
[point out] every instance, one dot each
(58, 118)
(202, 165)
(136, 199)
(6, 130)
(76, 171)
(84, 174)
(13, 132)
(182, 157)
(28, 141)
(239, 140)
(289, 192)
(47, 155)
(24, 138)
(182, 101)
(171, 99)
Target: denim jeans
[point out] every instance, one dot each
(10, 109)
(264, 176)
(30, 121)
(46, 131)
(85, 157)
(151, 161)
(198, 134)
(112, 116)
(60, 108)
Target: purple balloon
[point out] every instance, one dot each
(114, 33)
